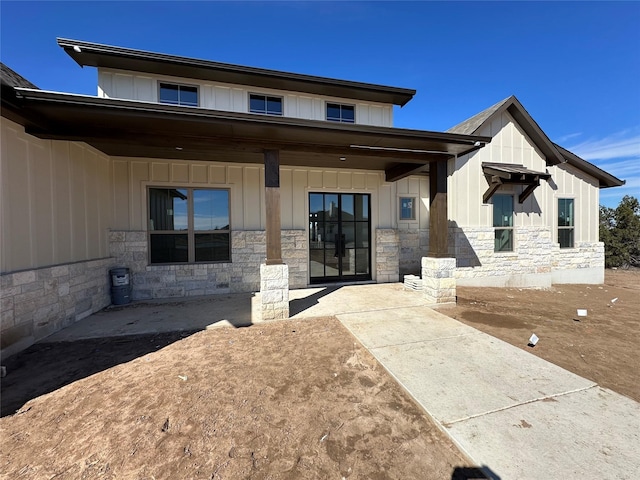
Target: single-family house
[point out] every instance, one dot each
(203, 177)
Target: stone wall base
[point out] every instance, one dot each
(438, 279)
(37, 303)
(274, 291)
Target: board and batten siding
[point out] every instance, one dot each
(55, 201)
(510, 144)
(235, 98)
(132, 176)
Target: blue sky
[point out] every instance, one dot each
(574, 66)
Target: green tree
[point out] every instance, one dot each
(620, 232)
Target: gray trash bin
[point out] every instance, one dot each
(120, 286)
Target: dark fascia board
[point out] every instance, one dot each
(467, 143)
(107, 56)
(605, 178)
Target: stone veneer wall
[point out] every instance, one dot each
(583, 264)
(37, 303)
(387, 255)
(414, 244)
(537, 261)
(242, 274)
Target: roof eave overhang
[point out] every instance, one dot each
(130, 128)
(605, 179)
(107, 56)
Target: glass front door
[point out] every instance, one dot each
(339, 237)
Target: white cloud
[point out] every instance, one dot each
(569, 136)
(624, 144)
(618, 154)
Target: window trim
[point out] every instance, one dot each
(341, 105)
(266, 97)
(190, 231)
(510, 229)
(197, 87)
(572, 227)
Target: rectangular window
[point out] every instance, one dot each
(341, 113)
(265, 104)
(503, 223)
(566, 222)
(188, 225)
(407, 208)
(178, 94)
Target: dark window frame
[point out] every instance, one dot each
(266, 97)
(190, 231)
(501, 229)
(567, 228)
(341, 107)
(180, 86)
(413, 208)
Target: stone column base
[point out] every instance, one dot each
(438, 279)
(274, 291)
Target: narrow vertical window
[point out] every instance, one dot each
(566, 222)
(503, 223)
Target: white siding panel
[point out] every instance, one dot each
(222, 98)
(123, 86)
(252, 199)
(235, 98)
(299, 199)
(146, 89)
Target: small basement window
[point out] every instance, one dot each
(175, 94)
(337, 112)
(265, 104)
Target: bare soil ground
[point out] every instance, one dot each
(298, 399)
(603, 346)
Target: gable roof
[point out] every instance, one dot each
(520, 115)
(107, 56)
(554, 154)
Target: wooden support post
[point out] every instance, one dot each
(272, 203)
(438, 221)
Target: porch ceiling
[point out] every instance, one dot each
(140, 129)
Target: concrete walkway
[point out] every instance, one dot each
(514, 414)
(511, 412)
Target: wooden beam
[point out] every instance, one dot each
(272, 203)
(490, 191)
(528, 191)
(402, 170)
(438, 221)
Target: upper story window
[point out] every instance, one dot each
(337, 112)
(566, 222)
(503, 223)
(265, 104)
(175, 94)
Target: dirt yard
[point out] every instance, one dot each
(286, 400)
(603, 346)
